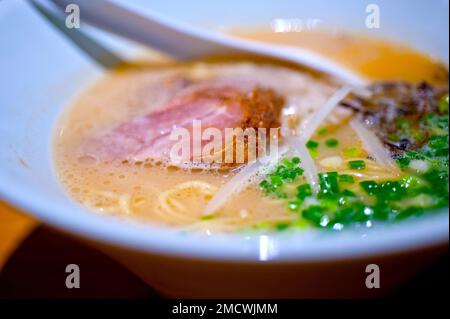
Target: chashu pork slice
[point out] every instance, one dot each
(216, 104)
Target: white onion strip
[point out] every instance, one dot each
(310, 170)
(312, 123)
(241, 180)
(306, 130)
(373, 146)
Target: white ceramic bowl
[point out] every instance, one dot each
(41, 71)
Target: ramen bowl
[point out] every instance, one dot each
(42, 71)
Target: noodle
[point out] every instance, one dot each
(120, 203)
(170, 208)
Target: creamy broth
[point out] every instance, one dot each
(376, 58)
(149, 192)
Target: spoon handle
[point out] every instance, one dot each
(171, 37)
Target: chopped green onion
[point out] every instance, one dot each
(312, 144)
(332, 142)
(370, 187)
(345, 178)
(348, 193)
(443, 104)
(314, 214)
(314, 152)
(335, 207)
(329, 183)
(282, 226)
(352, 151)
(357, 165)
(303, 191)
(287, 171)
(322, 131)
(276, 180)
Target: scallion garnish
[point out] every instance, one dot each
(357, 165)
(332, 142)
(322, 131)
(311, 144)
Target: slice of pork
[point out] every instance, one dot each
(217, 104)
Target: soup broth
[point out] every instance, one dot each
(152, 191)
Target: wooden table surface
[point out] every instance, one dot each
(14, 227)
